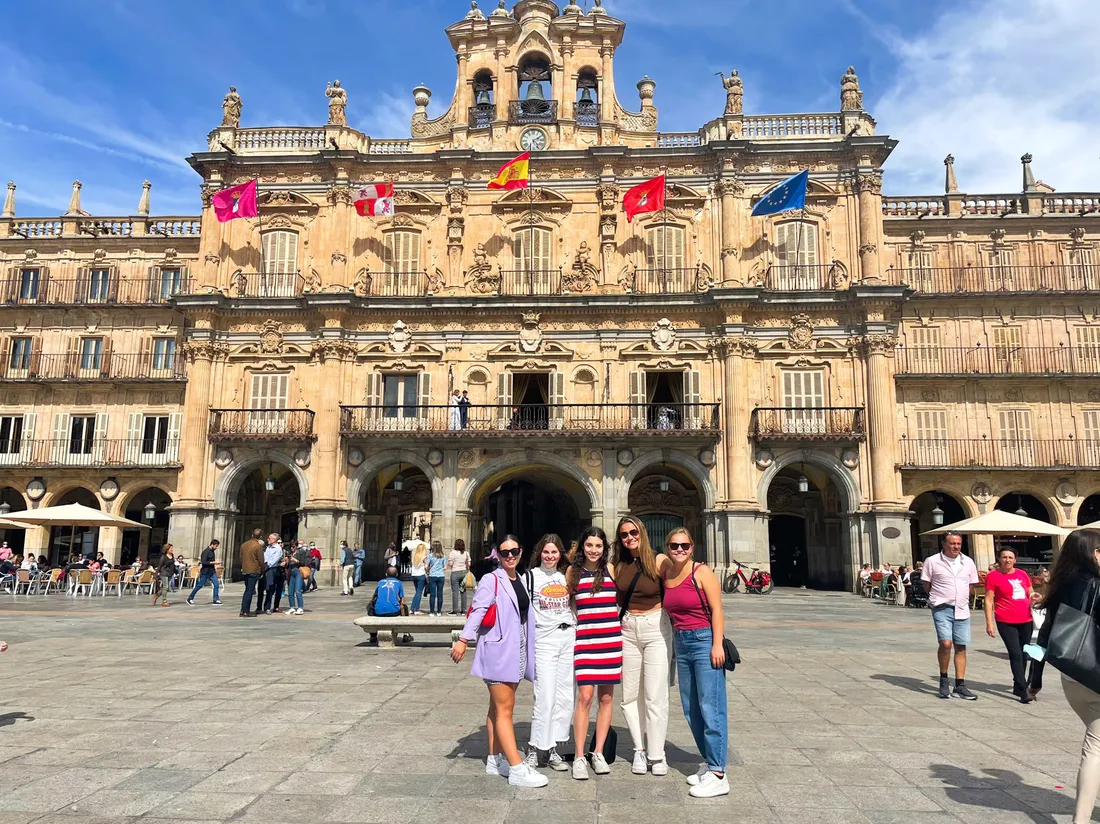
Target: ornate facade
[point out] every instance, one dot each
(807, 389)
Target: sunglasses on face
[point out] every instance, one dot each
(509, 553)
(633, 533)
(684, 547)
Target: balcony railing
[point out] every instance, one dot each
(266, 285)
(530, 282)
(818, 277)
(812, 423)
(999, 360)
(108, 366)
(792, 125)
(482, 115)
(983, 279)
(667, 420)
(665, 281)
(45, 290)
(261, 424)
(533, 111)
(100, 454)
(587, 113)
(1011, 453)
(412, 284)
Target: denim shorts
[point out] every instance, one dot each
(950, 628)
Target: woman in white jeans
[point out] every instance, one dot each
(647, 644)
(555, 637)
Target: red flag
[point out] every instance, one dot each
(374, 200)
(514, 174)
(645, 197)
(235, 202)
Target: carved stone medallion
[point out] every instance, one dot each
(271, 337)
(981, 492)
(663, 335)
(530, 333)
(801, 335)
(400, 338)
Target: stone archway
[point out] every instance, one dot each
(145, 544)
(13, 502)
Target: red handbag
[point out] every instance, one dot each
(490, 619)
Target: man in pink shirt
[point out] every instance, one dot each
(949, 578)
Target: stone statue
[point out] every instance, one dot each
(231, 109)
(312, 281)
(583, 258)
(240, 283)
(481, 257)
(851, 98)
(361, 285)
(735, 91)
(337, 103)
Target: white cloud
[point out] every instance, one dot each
(390, 116)
(989, 81)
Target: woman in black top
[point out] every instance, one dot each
(1075, 582)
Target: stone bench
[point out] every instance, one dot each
(389, 628)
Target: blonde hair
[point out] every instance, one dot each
(647, 558)
(680, 530)
(437, 546)
(420, 554)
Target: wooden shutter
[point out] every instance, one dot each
(1007, 341)
(72, 358)
(796, 243)
(693, 397)
(30, 421)
(925, 353)
(11, 285)
(665, 247)
(36, 357)
(424, 397)
(105, 363)
(504, 399)
(804, 390)
(5, 356)
(82, 286)
(114, 276)
(1087, 351)
(280, 252)
(1015, 445)
(175, 425)
(144, 366)
(932, 437)
(60, 441)
(133, 451)
(152, 285)
(43, 284)
(99, 441)
(375, 383)
(637, 399)
(539, 254)
(557, 400)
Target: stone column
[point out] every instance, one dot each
(607, 82)
(736, 420)
(869, 187)
(882, 413)
(331, 355)
(729, 190)
(504, 88)
(200, 353)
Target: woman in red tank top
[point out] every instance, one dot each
(693, 602)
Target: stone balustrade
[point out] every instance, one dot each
(679, 140)
(37, 227)
(388, 147)
(286, 139)
(913, 206)
(773, 126)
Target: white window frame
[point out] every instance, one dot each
(268, 391)
(657, 237)
(804, 389)
(164, 354)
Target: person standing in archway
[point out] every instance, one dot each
(949, 578)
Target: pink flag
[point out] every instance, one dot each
(236, 201)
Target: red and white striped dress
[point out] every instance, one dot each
(598, 654)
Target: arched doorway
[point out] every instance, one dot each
(12, 503)
(397, 506)
(268, 499)
(145, 544)
(925, 517)
(1030, 552)
(1089, 511)
(66, 541)
(807, 530)
(664, 498)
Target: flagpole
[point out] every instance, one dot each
(260, 220)
(664, 228)
(798, 243)
(531, 227)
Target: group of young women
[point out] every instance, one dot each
(609, 614)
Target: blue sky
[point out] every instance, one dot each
(113, 92)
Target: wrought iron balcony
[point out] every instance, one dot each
(108, 366)
(23, 289)
(522, 112)
(413, 284)
(650, 420)
(587, 113)
(1003, 453)
(261, 425)
(782, 277)
(266, 285)
(808, 423)
(993, 361)
(136, 453)
(482, 115)
(953, 280)
(516, 282)
(665, 281)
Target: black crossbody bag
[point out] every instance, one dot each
(733, 657)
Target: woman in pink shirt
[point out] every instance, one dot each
(1008, 604)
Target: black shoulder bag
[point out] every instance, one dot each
(1073, 645)
(733, 657)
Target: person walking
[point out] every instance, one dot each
(948, 578)
(647, 644)
(347, 569)
(1038, 618)
(360, 556)
(298, 567)
(1075, 584)
(488, 563)
(555, 637)
(419, 574)
(273, 574)
(505, 655)
(598, 654)
(437, 572)
(166, 568)
(1008, 603)
(207, 572)
(693, 600)
(458, 562)
(392, 557)
(314, 566)
(252, 567)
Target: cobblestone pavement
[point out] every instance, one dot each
(115, 711)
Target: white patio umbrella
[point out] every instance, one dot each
(6, 524)
(999, 522)
(71, 515)
(1093, 525)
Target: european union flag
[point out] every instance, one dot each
(788, 195)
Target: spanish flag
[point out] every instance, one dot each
(515, 174)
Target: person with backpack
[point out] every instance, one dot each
(347, 569)
(298, 570)
(207, 572)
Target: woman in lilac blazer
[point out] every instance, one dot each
(505, 656)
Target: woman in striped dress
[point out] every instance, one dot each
(598, 655)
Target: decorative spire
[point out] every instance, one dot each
(9, 201)
(1029, 176)
(74, 201)
(851, 98)
(950, 185)
(143, 204)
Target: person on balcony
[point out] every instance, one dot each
(454, 411)
(464, 409)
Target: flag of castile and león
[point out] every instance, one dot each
(374, 200)
(515, 174)
(235, 202)
(645, 197)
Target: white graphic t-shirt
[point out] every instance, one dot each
(550, 598)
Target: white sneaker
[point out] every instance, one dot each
(599, 764)
(532, 758)
(524, 776)
(710, 786)
(659, 768)
(299, 611)
(580, 768)
(289, 611)
(555, 761)
(497, 765)
(640, 765)
(694, 779)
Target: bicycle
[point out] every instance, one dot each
(759, 582)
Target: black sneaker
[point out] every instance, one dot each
(190, 603)
(945, 687)
(216, 603)
(963, 693)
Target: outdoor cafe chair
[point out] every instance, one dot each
(50, 578)
(113, 578)
(81, 578)
(24, 579)
(146, 579)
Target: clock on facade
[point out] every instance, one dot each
(109, 489)
(533, 140)
(36, 489)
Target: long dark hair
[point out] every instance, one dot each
(647, 557)
(550, 538)
(573, 576)
(1076, 560)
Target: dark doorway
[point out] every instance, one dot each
(1030, 552)
(924, 511)
(532, 400)
(787, 547)
(658, 525)
(665, 398)
(1089, 511)
(529, 511)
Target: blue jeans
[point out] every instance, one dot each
(294, 589)
(703, 694)
(358, 573)
(204, 576)
(421, 582)
(435, 594)
(250, 580)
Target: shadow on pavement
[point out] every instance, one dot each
(7, 719)
(930, 686)
(1037, 803)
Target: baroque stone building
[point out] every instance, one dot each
(809, 389)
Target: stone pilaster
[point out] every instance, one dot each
(869, 187)
(882, 414)
(729, 190)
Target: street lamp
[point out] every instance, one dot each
(5, 508)
(398, 483)
(803, 481)
(150, 511)
(663, 483)
(269, 481)
(937, 513)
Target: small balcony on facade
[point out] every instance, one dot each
(411, 284)
(482, 115)
(783, 277)
(102, 366)
(999, 453)
(532, 112)
(672, 420)
(530, 282)
(963, 280)
(587, 113)
(137, 453)
(267, 285)
(808, 423)
(34, 287)
(680, 281)
(261, 425)
(998, 361)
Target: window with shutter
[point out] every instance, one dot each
(804, 397)
(1007, 341)
(932, 437)
(170, 282)
(504, 399)
(1086, 352)
(29, 283)
(154, 436)
(925, 350)
(532, 249)
(664, 248)
(11, 434)
(280, 252)
(1090, 442)
(91, 354)
(1084, 272)
(921, 264)
(402, 251)
(269, 392)
(164, 354)
(638, 408)
(399, 396)
(20, 359)
(1002, 264)
(82, 434)
(693, 396)
(1015, 445)
(99, 285)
